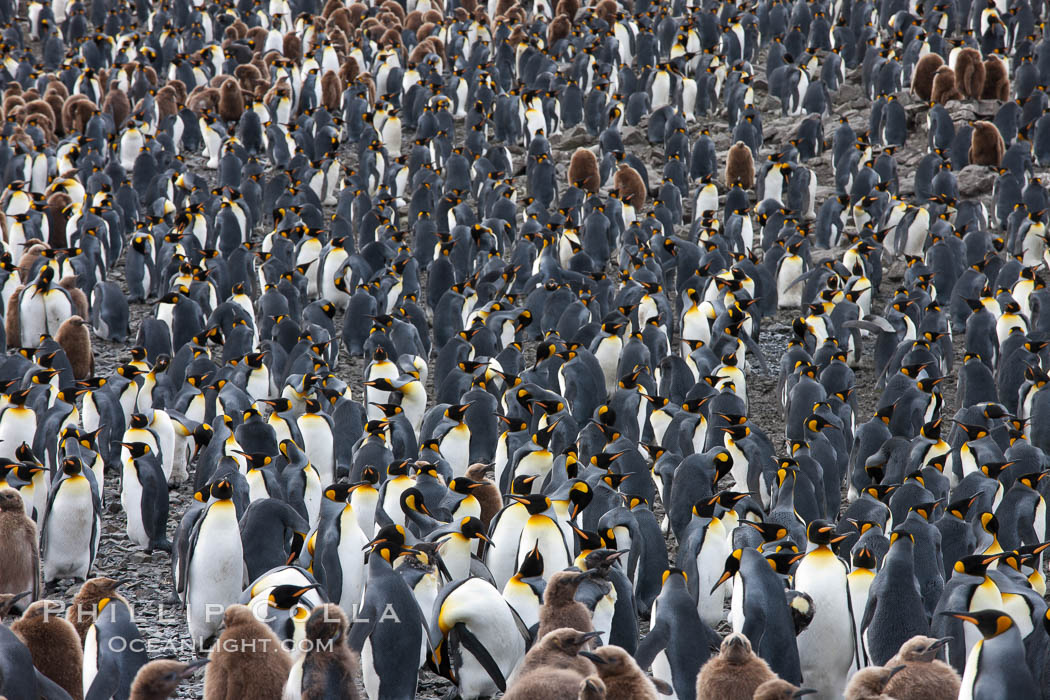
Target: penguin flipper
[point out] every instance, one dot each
(754, 347)
(529, 635)
(806, 275)
(107, 681)
(466, 639)
(754, 628)
(184, 559)
(653, 643)
(361, 628)
(47, 689)
(36, 574)
(875, 324)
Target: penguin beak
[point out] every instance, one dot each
(836, 540)
(961, 616)
(518, 499)
(943, 641)
(192, 667)
(20, 596)
(895, 670)
(803, 691)
(726, 575)
(592, 635)
(593, 657)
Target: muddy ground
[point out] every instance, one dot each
(148, 576)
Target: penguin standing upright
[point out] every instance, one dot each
(54, 644)
(114, 650)
(894, 613)
(213, 571)
(144, 497)
(328, 668)
(247, 660)
(740, 166)
(826, 646)
(678, 643)
(72, 524)
(20, 556)
(391, 641)
(995, 667)
(760, 611)
(986, 145)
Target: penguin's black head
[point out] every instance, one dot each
(580, 496)
(899, 535)
(71, 466)
(783, 561)
(457, 411)
(822, 532)
(532, 564)
(284, 597)
(222, 490)
(472, 528)
(991, 623)
(412, 499)
(732, 566)
(534, 503)
(989, 522)
(137, 449)
(522, 484)
(770, 532)
(398, 468)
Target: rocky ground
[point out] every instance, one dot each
(147, 577)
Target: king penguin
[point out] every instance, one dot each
(213, 568)
(826, 646)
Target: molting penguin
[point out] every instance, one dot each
(54, 644)
(922, 76)
(996, 80)
(623, 677)
(740, 166)
(75, 340)
(159, 679)
(631, 187)
(924, 676)
(560, 608)
(584, 171)
(944, 88)
(247, 661)
(735, 674)
(868, 683)
(327, 667)
(986, 144)
(20, 556)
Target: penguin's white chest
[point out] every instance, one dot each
(69, 543)
(131, 501)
